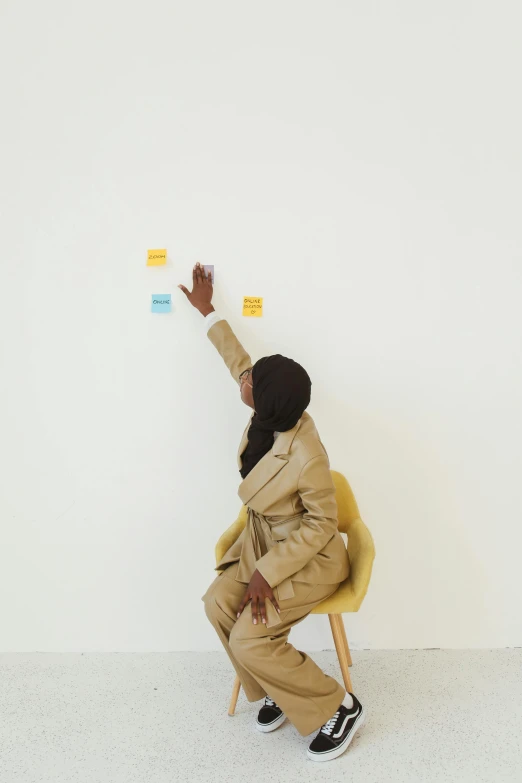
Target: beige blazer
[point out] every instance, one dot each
(291, 532)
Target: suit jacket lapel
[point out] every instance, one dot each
(266, 469)
(269, 466)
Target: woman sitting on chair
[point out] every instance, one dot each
(290, 555)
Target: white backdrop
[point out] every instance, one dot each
(358, 166)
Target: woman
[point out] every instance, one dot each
(289, 557)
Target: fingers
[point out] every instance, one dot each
(204, 275)
(255, 608)
(185, 290)
(258, 605)
(200, 274)
(244, 602)
(274, 601)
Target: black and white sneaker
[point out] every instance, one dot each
(334, 737)
(270, 716)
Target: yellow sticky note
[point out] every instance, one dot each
(253, 306)
(156, 257)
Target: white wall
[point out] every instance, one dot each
(356, 164)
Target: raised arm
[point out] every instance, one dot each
(219, 332)
(232, 352)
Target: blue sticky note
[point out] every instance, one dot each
(161, 303)
(209, 268)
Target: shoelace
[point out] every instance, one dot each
(269, 702)
(329, 725)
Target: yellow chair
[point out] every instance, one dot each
(350, 594)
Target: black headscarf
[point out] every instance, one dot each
(281, 389)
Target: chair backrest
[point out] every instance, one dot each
(361, 547)
(347, 509)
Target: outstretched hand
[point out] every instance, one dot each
(258, 591)
(201, 295)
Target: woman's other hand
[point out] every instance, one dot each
(258, 591)
(201, 295)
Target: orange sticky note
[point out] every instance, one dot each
(156, 257)
(253, 306)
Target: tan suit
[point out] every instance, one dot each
(291, 537)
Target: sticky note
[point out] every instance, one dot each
(156, 257)
(253, 306)
(161, 303)
(209, 268)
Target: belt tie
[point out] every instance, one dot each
(257, 542)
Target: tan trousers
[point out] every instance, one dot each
(263, 658)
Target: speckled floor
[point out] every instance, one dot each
(162, 717)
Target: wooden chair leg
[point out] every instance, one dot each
(345, 640)
(341, 646)
(235, 694)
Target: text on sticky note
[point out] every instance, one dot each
(161, 303)
(253, 306)
(156, 257)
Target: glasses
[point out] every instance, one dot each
(245, 375)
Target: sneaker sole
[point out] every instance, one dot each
(266, 727)
(332, 754)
